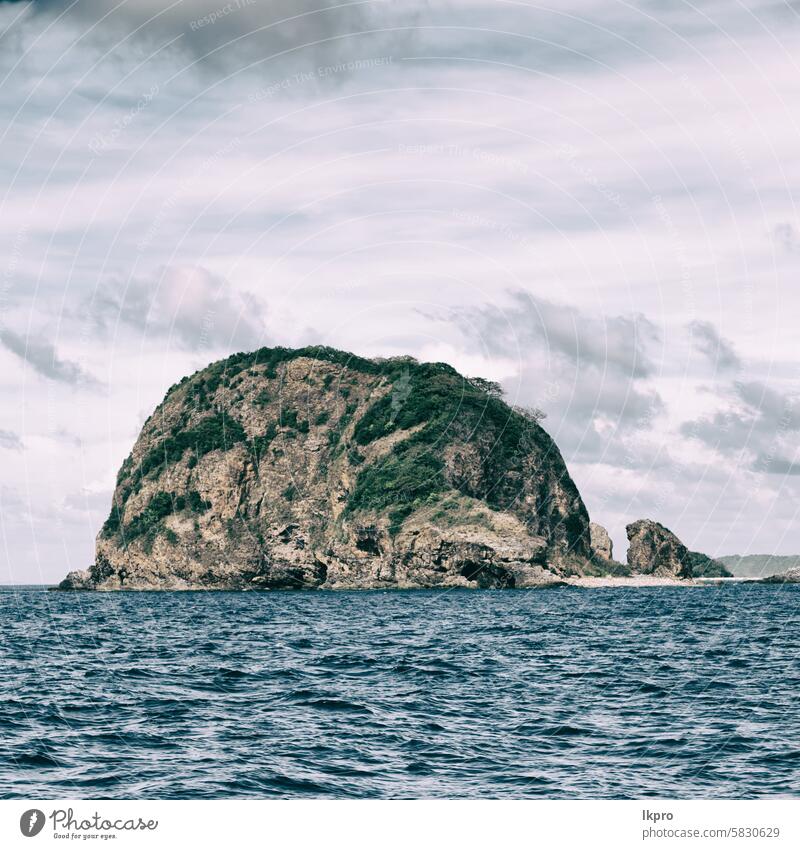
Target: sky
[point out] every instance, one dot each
(590, 202)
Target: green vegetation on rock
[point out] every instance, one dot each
(159, 507)
(446, 407)
(704, 566)
(219, 431)
(150, 521)
(196, 503)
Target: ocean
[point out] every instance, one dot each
(560, 693)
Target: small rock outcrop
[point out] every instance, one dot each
(318, 469)
(80, 579)
(655, 550)
(790, 576)
(601, 541)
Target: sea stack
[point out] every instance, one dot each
(601, 541)
(655, 550)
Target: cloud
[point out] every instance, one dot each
(10, 440)
(616, 342)
(719, 351)
(43, 358)
(758, 425)
(187, 305)
(776, 465)
(772, 406)
(787, 237)
(242, 31)
(581, 36)
(587, 372)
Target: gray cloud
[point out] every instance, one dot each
(787, 237)
(282, 32)
(719, 351)
(776, 465)
(44, 359)
(187, 305)
(586, 372)
(11, 502)
(772, 406)
(758, 426)
(608, 342)
(10, 440)
(581, 36)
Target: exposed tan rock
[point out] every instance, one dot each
(601, 541)
(655, 550)
(80, 579)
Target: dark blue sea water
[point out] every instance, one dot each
(561, 693)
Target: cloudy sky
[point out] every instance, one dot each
(592, 202)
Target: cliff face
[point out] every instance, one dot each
(319, 469)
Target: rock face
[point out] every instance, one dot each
(315, 468)
(79, 580)
(601, 541)
(655, 550)
(790, 576)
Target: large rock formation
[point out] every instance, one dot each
(655, 550)
(319, 469)
(601, 541)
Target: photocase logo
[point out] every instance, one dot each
(66, 825)
(31, 822)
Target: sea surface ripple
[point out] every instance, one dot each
(563, 693)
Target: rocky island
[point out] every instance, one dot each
(318, 469)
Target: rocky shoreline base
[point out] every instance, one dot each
(655, 558)
(589, 582)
